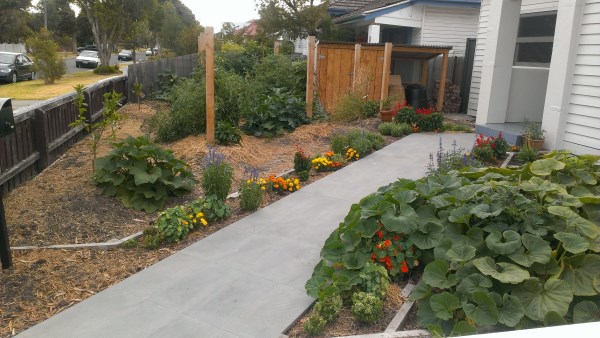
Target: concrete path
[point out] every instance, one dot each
(246, 280)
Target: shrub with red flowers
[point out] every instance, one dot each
(491, 148)
(393, 251)
(421, 119)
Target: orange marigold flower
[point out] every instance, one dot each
(379, 246)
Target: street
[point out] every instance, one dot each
(113, 60)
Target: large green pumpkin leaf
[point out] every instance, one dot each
(425, 315)
(354, 260)
(421, 291)
(474, 283)
(503, 243)
(552, 318)
(573, 243)
(444, 304)
(463, 328)
(538, 299)
(484, 312)
(579, 272)
(404, 196)
(586, 312)
(436, 275)
(573, 219)
(484, 211)
(546, 166)
(461, 252)
(427, 235)
(405, 222)
(504, 272)
(460, 215)
(536, 250)
(511, 312)
(367, 227)
(440, 250)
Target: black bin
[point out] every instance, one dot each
(416, 95)
(7, 119)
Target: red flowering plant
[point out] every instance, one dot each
(393, 251)
(421, 119)
(491, 148)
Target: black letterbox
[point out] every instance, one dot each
(7, 120)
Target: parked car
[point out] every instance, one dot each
(15, 66)
(149, 52)
(125, 55)
(87, 58)
(88, 47)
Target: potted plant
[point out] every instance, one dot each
(387, 111)
(533, 136)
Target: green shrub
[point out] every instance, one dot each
(425, 119)
(363, 141)
(302, 164)
(230, 96)
(431, 122)
(366, 307)
(527, 154)
(43, 51)
(406, 114)
(130, 244)
(352, 106)
(164, 85)
(151, 238)
(314, 324)
(141, 174)
(276, 114)
(215, 209)
(105, 70)
(278, 71)
(394, 129)
(217, 175)
(490, 149)
(186, 115)
(447, 126)
(227, 134)
(251, 194)
(174, 224)
(374, 279)
(329, 307)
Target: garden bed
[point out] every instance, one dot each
(62, 206)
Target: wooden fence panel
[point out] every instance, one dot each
(42, 133)
(147, 73)
(335, 73)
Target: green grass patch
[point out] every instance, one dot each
(37, 90)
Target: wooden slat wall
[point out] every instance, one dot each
(147, 73)
(28, 151)
(335, 67)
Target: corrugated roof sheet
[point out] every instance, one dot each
(349, 4)
(371, 5)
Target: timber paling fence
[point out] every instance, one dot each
(148, 73)
(42, 132)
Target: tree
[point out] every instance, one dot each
(178, 24)
(13, 20)
(61, 20)
(294, 18)
(109, 19)
(44, 53)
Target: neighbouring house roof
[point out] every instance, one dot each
(375, 8)
(249, 28)
(338, 7)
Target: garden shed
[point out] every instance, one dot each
(382, 64)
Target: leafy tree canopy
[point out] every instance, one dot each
(294, 18)
(13, 20)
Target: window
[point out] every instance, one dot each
(535, 39)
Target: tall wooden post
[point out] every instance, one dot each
(210, 85)
(276, 47)
(385, 79)
(424, 72)
(442, 89)
(356, 69)
(310, 76)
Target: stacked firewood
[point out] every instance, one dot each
(451, 97)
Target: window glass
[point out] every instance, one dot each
(535, 39)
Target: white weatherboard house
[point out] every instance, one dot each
(416, 22)
(539, 60)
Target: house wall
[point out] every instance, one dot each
(411, 16)
(527, 6)
(527, 94)
(582, 122)
(446, 26)
(301, 46)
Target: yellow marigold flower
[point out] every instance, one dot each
(263, 188)
(185, 222)
(199, 214)
(204, 222)
(291, 189)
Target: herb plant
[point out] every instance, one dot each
(394, 129)
(302, 164)
(362, 141)
(251, 191)
(141, 174)
(227, 134)
(217, 175)
(366, 307)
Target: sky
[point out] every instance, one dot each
(215, 13)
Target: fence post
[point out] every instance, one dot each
(385, 79)
(424, 72)
(276, 46)
(40, 137)
(310, 76)
(210, 86)
(87, 99)
(356, 68)
(442, 89)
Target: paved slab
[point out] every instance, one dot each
(246, 280)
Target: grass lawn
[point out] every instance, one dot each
(37, 90)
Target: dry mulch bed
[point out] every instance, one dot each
(62, 206)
